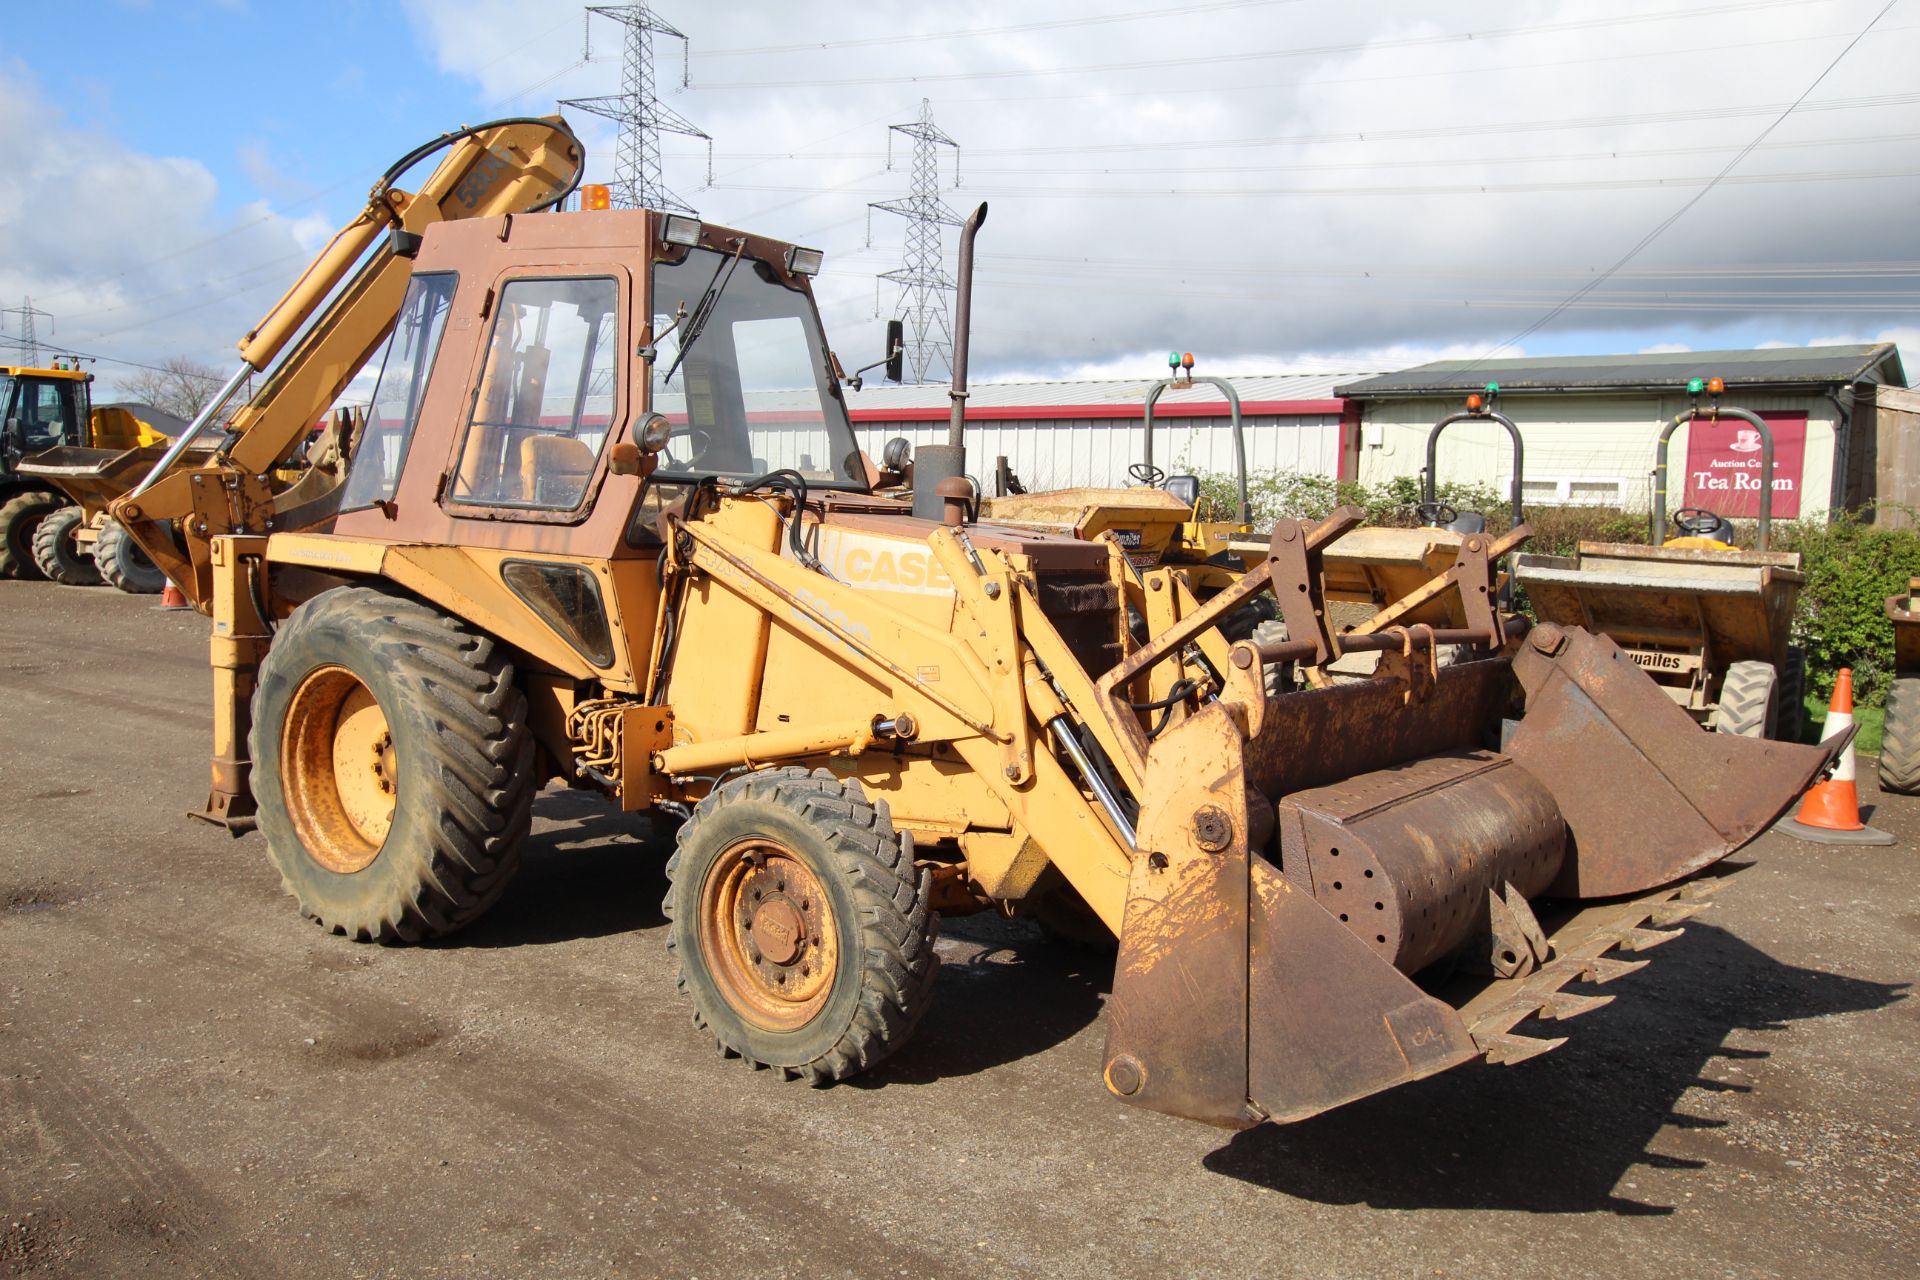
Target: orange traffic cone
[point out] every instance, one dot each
(172, 597)
(1830, 813)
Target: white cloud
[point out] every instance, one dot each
(151, 270)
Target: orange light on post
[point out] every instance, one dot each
(595, 195)
(1715, 386)
(1474, 402)
(1186, 359)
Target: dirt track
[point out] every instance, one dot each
(195, 1081)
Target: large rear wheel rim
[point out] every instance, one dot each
(340, 779)
(768, 932)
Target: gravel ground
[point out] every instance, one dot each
(195, 1081)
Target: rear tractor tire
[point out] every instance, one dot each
(802, 930)
(58, 555)
(1900, 738)
(20, 519)
(392, 766)
(123, 564)
(1746, 700)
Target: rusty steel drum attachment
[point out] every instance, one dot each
(1389, 876)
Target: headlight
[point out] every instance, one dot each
(896, 454)
(654, 433)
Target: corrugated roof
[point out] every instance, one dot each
(880, 395)
(1667, 371)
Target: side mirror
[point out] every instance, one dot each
(896, 350)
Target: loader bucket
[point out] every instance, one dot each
(1374, 887)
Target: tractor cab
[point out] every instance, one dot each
(43, 408)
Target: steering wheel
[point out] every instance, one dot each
(1698, 521)
(699, 440)
(1438, 515)
(1147, 474)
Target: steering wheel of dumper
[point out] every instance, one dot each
(1697, 521)
(1147, 474)
(1438, 515)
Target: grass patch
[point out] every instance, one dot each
(1870, 719)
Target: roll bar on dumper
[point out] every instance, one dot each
(865, 719)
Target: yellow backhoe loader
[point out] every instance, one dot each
(565, 550)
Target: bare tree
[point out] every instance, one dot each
(180, 385)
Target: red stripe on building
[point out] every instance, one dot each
(1057, 412)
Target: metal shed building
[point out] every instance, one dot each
(1059, 434)
(1590, 424)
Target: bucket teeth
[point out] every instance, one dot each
(1677, 910)
(1506, 1050)
(1637, 939)
(1606, 969)
(1562, 1005)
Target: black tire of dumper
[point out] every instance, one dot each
(1789, 705)
(58, 555)
(124, 565)
(20, 518)
(1747, 700)
(880, 902)
(463, 759)
(1900, 738)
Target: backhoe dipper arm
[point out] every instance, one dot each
(348, 300)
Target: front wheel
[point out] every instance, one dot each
(392, 766)
(58, 555)
(1746, 700)
(802, 929)
(20, 518)
(124, 565)
(1900, 738)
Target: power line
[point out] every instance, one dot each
(1308, 51)
(1660, 228)
(1405, 189)
(1164, 11)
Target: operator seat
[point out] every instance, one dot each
(554, 470)
(1184, 488)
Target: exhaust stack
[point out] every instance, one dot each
(935, 463)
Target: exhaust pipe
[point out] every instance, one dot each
(936, 462)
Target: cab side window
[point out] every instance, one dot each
(545, 403)
(382, 448)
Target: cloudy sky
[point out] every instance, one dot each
(1274, 184)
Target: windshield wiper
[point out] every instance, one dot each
(703, 309)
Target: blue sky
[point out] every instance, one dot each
(201, 149)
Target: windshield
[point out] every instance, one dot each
(753, 393)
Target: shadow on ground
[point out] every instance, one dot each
(1556, 1135)
(587, 871)
(1008, 995)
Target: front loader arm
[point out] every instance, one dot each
(347, 300)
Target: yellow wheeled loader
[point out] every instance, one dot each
(41, 535)
(565, 550)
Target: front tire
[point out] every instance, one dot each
(392, 766)
(124, 565)
(58, 555)
(802, 929)
(1746, 700)
(20, 518)
(1900, 738)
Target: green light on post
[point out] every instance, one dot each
(1173, 359)
(1696, 385)
(1493, 388)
